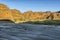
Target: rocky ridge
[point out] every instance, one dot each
(18, 17)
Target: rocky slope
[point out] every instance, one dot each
(17, 17)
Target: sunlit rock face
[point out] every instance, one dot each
(56, 16)
(3, 7)
(17, 17)
(9, 14)
(29, 15)
(5, 13)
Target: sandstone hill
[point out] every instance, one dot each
(16, 16)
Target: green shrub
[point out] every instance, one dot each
(46, 22)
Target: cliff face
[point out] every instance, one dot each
(16, 16)
(5, 13)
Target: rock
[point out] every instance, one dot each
(16, 16)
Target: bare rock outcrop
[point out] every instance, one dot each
(5, 13)
(17, 17)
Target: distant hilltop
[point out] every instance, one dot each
(16, 16)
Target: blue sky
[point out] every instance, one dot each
(34, 5)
